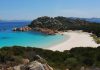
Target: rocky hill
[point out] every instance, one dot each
(50, 25)
(61, 23)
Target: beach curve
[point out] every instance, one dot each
(77, 39)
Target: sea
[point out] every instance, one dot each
(9, 38)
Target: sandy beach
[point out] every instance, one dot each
(77, 39)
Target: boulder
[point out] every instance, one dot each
(38, 64)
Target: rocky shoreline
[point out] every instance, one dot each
(25, 28)
(43, 30)
(46, 31)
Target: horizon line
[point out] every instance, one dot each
(42, 16)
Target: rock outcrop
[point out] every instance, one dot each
(26, 28)
(42, 30)
(46, 31)
(38, 64)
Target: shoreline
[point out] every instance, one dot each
(59, 42)
(77, 39)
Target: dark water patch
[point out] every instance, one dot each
(5, 37)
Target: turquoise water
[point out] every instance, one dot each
(30, 38)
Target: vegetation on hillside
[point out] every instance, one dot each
(96, 39)
(46, 22)
(63, 24)
(72, 59)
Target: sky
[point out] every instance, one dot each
(31, 9)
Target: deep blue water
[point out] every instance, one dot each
(30, 38)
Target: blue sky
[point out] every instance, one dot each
(30, 9)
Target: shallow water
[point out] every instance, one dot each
(30, 38)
